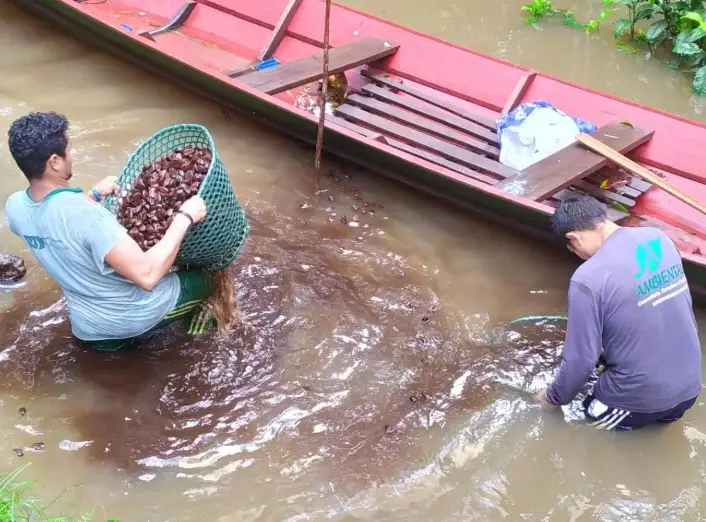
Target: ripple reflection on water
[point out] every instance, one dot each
(345, 373)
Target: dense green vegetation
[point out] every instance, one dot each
(677, 26)
(17, 504)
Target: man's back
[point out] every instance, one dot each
(70, 236)
(649, 333)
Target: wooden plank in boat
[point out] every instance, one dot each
(417, 93)
(438, 160)
(549, 175)
(368, 133)
(306, 70)
(428, 142)
(613, 213)
(423, 124)
(518, 92)
(279, 31)
(596, 191)
(415, 105)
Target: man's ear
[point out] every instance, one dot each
(572, 236)
(54, 162)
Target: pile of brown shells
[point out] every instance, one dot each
(148, 209)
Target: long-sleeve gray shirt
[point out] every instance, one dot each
(632, 300)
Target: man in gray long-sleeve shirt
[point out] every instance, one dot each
(631, 299)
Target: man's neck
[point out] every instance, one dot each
(607, 229)
(39, 189)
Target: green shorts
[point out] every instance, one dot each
(194, 288)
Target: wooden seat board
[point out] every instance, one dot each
(417, 93)
(306, 70)
(560, 170)
(426, 141)
(424, 109)
(423, 124)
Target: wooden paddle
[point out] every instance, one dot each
(625, 162)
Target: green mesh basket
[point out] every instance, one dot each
(214, 242)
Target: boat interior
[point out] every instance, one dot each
(436, 125)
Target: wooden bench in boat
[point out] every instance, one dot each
(306, 70)
(573, 163)
(418, 124)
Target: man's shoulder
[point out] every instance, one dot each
(15, 200)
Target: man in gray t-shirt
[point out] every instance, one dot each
(114, 291)
(629, 302)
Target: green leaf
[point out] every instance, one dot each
(619, 206)
(696, 17)
(699, 83)
(621, 26)
(627, 124)
(686, 49)
(645, 12)
(693, 62)
(624, 46)
(673, 64)
(696, 34)
(656, 30)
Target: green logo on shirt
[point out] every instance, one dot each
(648, 256)
(40, 243)
(656, 285)
(35, 242)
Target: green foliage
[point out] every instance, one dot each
(540, 9)
(537, 10)
(677, 25)
(18, 505)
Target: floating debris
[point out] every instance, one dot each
(22, 411)
(19, 452)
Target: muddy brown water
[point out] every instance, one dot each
(370, 381)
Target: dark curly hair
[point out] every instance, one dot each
(577, 214)
(34, 138)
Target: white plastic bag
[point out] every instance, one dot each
(542, 133)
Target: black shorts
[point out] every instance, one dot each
(606, 418)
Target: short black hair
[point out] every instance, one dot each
(34, 138)
(577, 213)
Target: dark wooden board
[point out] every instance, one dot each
(368, 133)
(280, 30)
(518, 92)
(399, 85)
(598, 192)
(613, 213)
(424, 109)
(172, 25)
(438, 160)
(426, 141)
(625, 190)
(423, 124)
(306, 70)
(563, 168)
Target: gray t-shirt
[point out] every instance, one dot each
(632, 299)
(70, 237)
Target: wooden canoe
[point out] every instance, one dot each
(419, 109)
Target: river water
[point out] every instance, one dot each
(372, 379)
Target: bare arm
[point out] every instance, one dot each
(146, 269)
